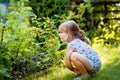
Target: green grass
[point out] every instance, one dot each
(110, 69)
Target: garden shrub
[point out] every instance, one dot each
(48, 8)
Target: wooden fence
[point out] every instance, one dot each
(105, 11)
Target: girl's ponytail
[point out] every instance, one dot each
(83, 37)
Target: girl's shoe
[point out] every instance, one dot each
(81, 77)
(77, 77)
(84, 77)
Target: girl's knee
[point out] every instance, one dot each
(77, 56)
(74, 56)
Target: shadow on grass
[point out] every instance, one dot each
(68, 76)
(110, 71)
(60, 73)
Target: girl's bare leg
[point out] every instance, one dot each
(81, 63)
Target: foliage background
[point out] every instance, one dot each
(29, 40)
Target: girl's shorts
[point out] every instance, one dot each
(95, 66)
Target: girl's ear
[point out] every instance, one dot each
(70, 38)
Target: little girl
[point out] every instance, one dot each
(79, 53)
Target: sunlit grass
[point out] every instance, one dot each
(110, 69)
(55, 73)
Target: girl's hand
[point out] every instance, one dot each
(68, 58)
(76, 71)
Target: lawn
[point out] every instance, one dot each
(110, 69)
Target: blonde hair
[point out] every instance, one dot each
(73, 31)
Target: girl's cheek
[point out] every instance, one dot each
(66, 37)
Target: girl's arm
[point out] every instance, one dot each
(67, 58)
